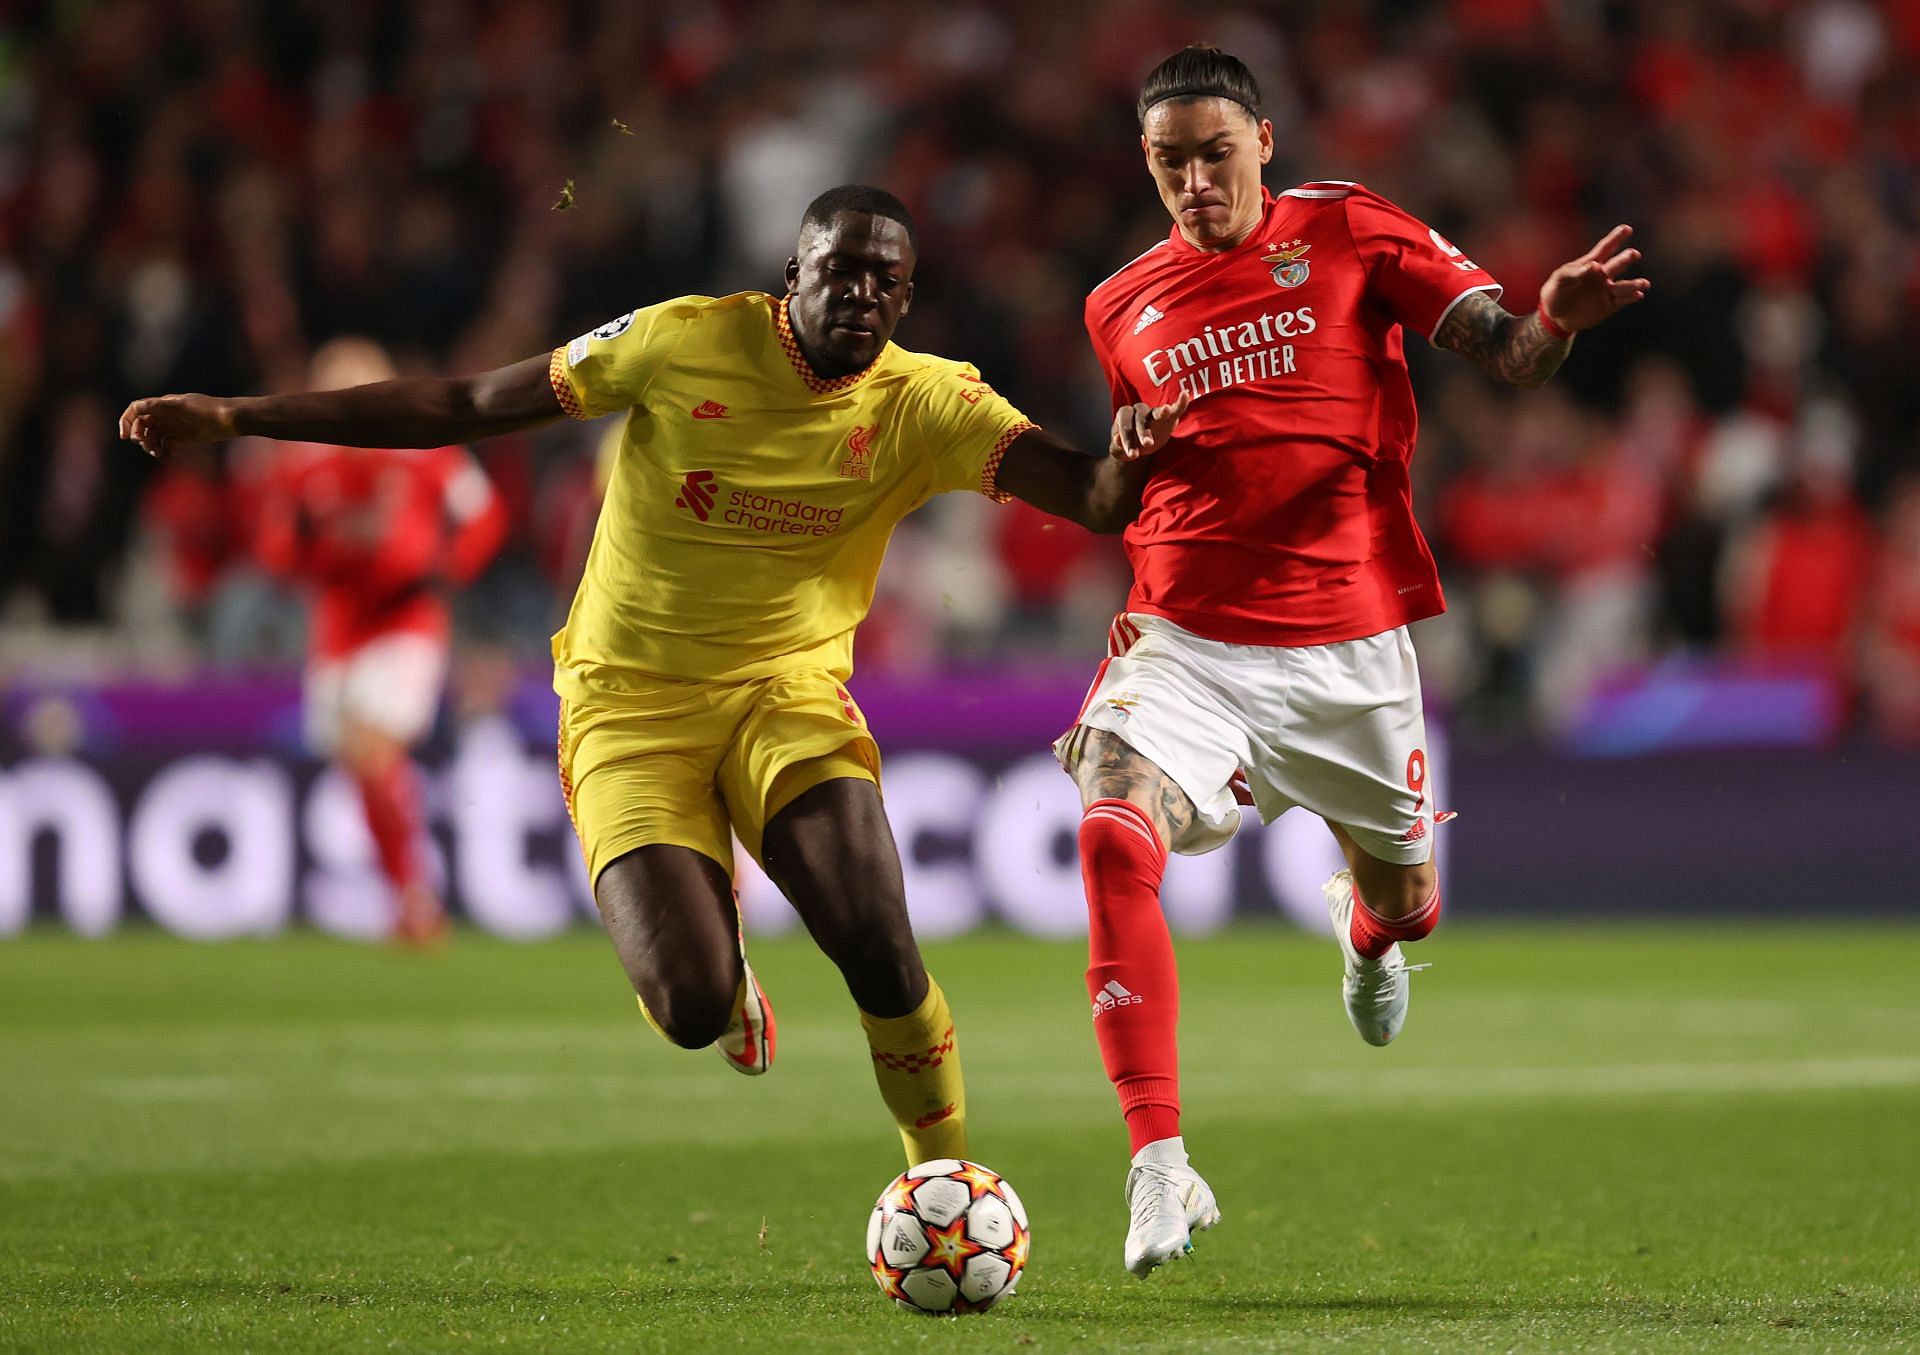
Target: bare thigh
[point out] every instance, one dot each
(833, 855)
(670, 914)
(1106, 768)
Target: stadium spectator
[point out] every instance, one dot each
(1799, 573)
(1893, 622)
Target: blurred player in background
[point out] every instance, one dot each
(375, 535)
(1263, 655)
(770, 446)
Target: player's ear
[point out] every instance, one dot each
(906, 299)
(1266, 140)
(793, 274)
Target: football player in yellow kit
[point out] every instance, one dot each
(771, 445)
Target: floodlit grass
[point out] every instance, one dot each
(1588, 1139)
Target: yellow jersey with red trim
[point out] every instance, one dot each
(750, 501)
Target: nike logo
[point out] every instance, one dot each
(710, 410)
(929, 1121)
(749, 1057)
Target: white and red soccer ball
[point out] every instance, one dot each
(948, 1237)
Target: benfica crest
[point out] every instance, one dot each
(1289, 263)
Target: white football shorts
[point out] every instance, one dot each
(1337, 729)
(391, 683)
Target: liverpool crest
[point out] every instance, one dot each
(859, 462)
(1290, 265)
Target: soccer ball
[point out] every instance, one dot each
(948, 1237)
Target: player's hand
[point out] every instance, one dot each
(1139, 430)
(1579, 295)
(168, 421)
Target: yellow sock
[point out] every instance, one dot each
(916, 1061)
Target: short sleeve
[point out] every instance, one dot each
(610, 368)
(965, 427)
(1413, 271)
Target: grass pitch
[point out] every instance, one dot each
(1587, 1139)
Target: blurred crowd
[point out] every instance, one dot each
(195, 193)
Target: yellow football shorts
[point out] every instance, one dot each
(701, 759)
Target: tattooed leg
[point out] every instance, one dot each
(1105, 768)
(1513, 348)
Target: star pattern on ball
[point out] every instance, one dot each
(977, 1179)
(950, 1248)
(889, 1277)
(1016, 1250)
(900, 1194)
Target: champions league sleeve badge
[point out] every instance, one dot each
(1289, 264)
(613, 329)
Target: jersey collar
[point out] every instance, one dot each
(813, 381)
(1182, 245)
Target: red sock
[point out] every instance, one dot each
(1131, 976)
(1374, 935)
(392, 801)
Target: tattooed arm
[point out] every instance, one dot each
(1525, 350)
(1517, 349)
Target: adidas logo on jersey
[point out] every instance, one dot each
(1114, 995)
(1148, 316)
(697, 494)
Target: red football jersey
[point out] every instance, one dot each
(1282, 513)
(374, 533)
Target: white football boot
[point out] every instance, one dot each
(1169, 1203)
(1375, 990)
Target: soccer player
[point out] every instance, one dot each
(771, 444)
(1276, 568)
(373, 534)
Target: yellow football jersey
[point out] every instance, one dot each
(750, 501)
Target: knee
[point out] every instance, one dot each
(692, 1016)
(1394, 891)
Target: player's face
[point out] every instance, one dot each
(848, 288)
(1205, 155)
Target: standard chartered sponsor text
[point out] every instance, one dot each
(790, 517)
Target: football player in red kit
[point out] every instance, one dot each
(1276, 567)
(374, 535)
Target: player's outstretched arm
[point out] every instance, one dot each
(1527, 349)
(1101, 493)
(410, 412)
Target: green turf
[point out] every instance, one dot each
(1588, 1139)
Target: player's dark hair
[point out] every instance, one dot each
(1201, 71)
(859, 197)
